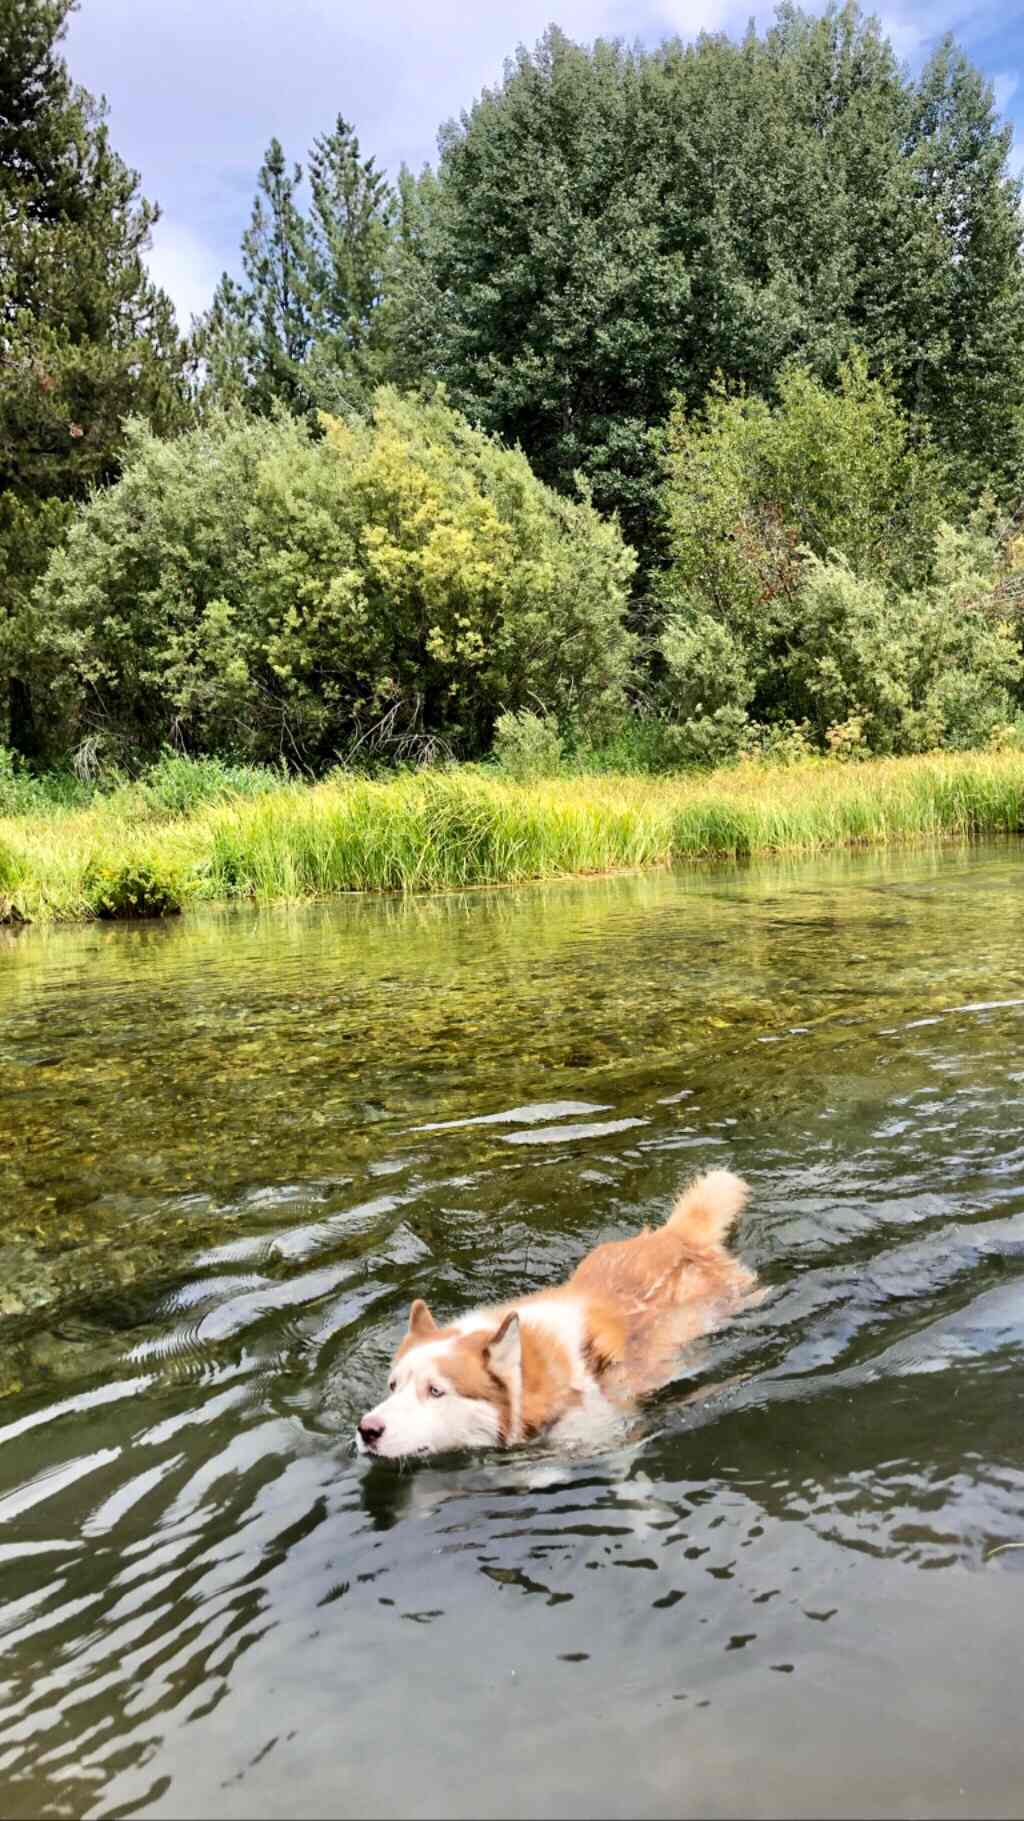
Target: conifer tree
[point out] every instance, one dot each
(306, 325)
(350, 248)
(86, 338)
(257, 335)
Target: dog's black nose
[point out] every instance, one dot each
(371, 1431)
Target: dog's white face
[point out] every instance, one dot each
(447, 1390)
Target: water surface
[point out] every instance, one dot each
(234, 1148)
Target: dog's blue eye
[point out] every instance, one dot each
(435, 1391)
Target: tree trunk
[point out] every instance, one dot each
(22, 732)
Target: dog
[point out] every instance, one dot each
(565, 1362)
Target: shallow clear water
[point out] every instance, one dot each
(233, 1149)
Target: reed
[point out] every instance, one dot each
(434, 831)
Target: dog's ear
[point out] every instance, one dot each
(421, 1322)
(504, 1350)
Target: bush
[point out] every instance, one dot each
(1007, 736)
(751, 491)
(134, 889)
(176, 785)
(813, 582)
(639, 742)
(780, 743)
(707, 740)
(253, 590)
(750, 485)
(913, 671)
(22, 793)
(527, 745)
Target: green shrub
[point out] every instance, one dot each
(639, 742)
(707, 740)
(749, 485)
(252, 590)
(1007, 736)
(527, 745)
(176, 784)
(915, 671)
(136, 889)
(780, 743)
(23, 793)
(814, 584)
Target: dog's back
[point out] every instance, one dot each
(671, 1284)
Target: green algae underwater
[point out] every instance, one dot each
(235, 1146)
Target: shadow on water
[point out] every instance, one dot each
(231, 1153)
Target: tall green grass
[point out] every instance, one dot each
(172, 785)
(437, 831)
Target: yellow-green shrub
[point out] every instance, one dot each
(255, 590)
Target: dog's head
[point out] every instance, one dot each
(448, 1389)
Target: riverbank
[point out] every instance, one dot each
(435, 831)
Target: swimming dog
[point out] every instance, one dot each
(561, 1362)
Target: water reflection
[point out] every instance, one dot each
(232, 1151)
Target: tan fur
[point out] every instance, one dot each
(632, 1306)
(706, 1210)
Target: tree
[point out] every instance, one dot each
(350, 250)
(85, 336)
(411, 313)
(256, 337)
(558, 291)
(611, 227)
(307, 325)
(971, 390)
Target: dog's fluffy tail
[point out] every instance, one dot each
(706, 1210)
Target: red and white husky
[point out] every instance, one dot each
(563, 1362)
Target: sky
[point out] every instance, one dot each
(197, 88)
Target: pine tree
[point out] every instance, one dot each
(256, 337)
(257, 334)
(411, 312)
(350, 247)
(86, 339)
(307, 325)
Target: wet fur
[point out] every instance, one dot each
(557, 1360)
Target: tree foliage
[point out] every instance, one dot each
(306, 324)
(255, 340)
(611, 226)
(85, 336)
(761, 301)
(254, 589)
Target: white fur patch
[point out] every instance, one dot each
(415, 1422)
(563, 1319)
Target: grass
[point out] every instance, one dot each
(138, 854)
(173, 784)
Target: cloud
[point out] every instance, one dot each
(198, 88)
(197, 91)
(185, 267)
(1005, 86)
(915, 27)
(688, 18)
